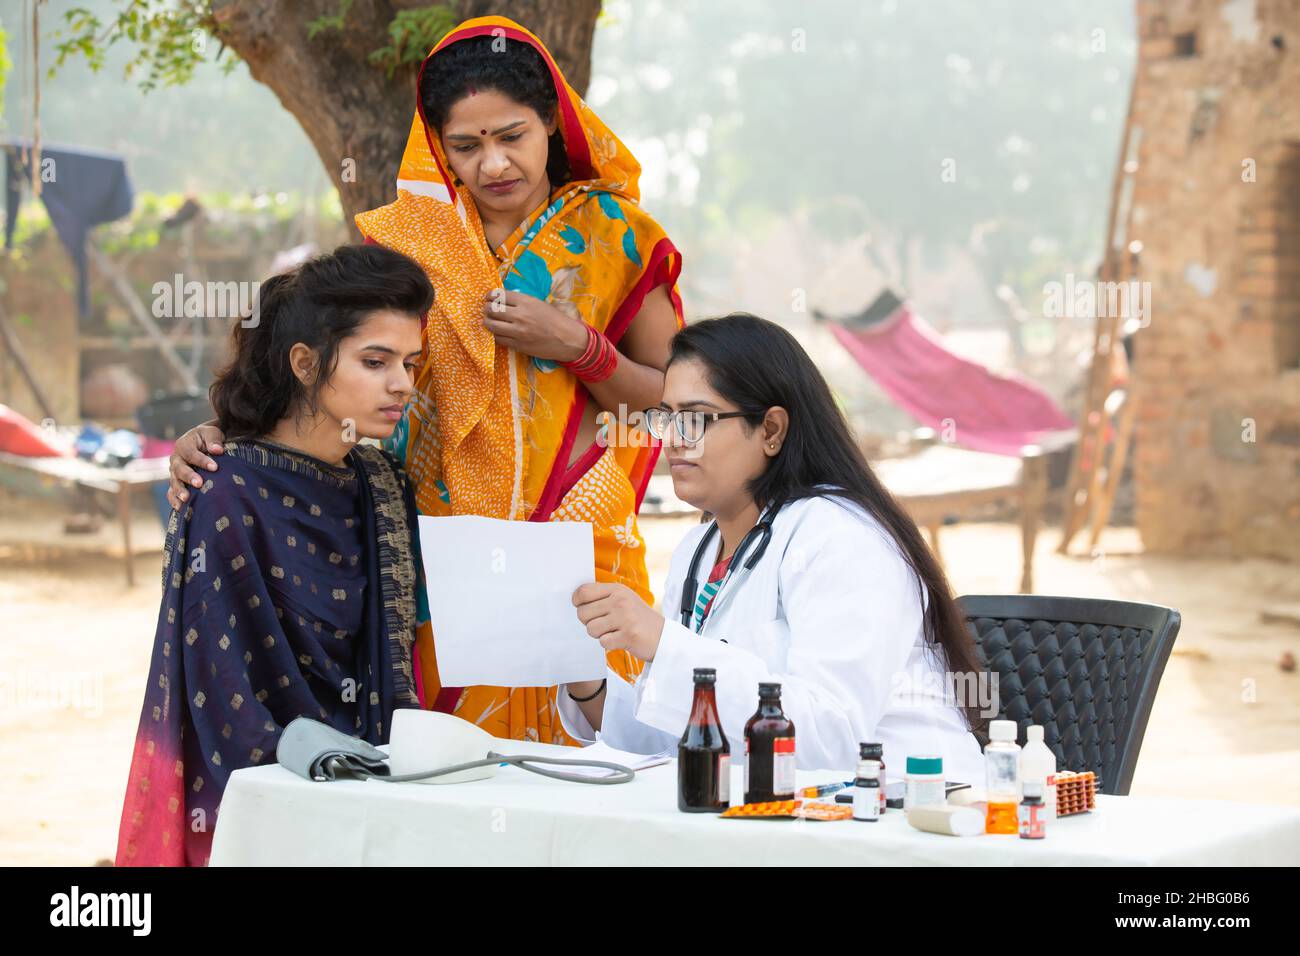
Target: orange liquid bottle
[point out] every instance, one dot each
(1002, 818)
(1002, 766)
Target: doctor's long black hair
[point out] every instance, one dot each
(756, 364)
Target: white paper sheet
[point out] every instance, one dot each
(501, 600)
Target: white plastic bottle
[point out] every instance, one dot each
(1037, 762)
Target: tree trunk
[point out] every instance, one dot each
(354, 111)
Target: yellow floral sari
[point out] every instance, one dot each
(491, 431)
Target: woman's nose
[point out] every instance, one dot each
(495, 163)
(673, 439)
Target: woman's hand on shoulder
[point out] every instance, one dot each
(616, 615)
(188, 455)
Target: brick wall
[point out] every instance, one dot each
(1217, 211)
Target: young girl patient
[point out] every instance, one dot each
(289, 582)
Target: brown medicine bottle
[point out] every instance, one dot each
(769, 750)
(876, 752)
(703, 755)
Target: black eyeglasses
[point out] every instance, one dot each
(690, 425)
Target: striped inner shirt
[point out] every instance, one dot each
(707, 593)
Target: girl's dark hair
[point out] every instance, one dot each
(320, 303)
(756, 364)
(517, 71)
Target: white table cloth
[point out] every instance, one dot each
(270, 817)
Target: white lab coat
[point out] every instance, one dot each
(833, 613)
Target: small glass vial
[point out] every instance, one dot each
(866, 792)
(1033, 812)
(876, 752)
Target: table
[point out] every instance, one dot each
(48, 476)
(270, 817)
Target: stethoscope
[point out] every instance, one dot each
(761, 533)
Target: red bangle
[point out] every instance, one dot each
(602, 366)
(597, 362)
(593, 343)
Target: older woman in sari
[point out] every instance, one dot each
(556, 302)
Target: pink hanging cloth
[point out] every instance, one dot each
(907, 358)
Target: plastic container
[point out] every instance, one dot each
(924, 782)
(1038, 764)
(1002, 773)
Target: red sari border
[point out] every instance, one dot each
(665, 267)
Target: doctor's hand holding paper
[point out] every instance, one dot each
(809, 574)
(616, 616)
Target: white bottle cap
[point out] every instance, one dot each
(1034, 733)
(1002, 730)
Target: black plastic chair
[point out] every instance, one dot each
(1086, 670)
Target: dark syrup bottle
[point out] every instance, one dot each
(769, 750)
(703, 755)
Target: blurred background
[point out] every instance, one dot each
(1083, 214)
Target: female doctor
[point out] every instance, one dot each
(809, 574)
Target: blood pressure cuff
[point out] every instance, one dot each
(317, 751)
